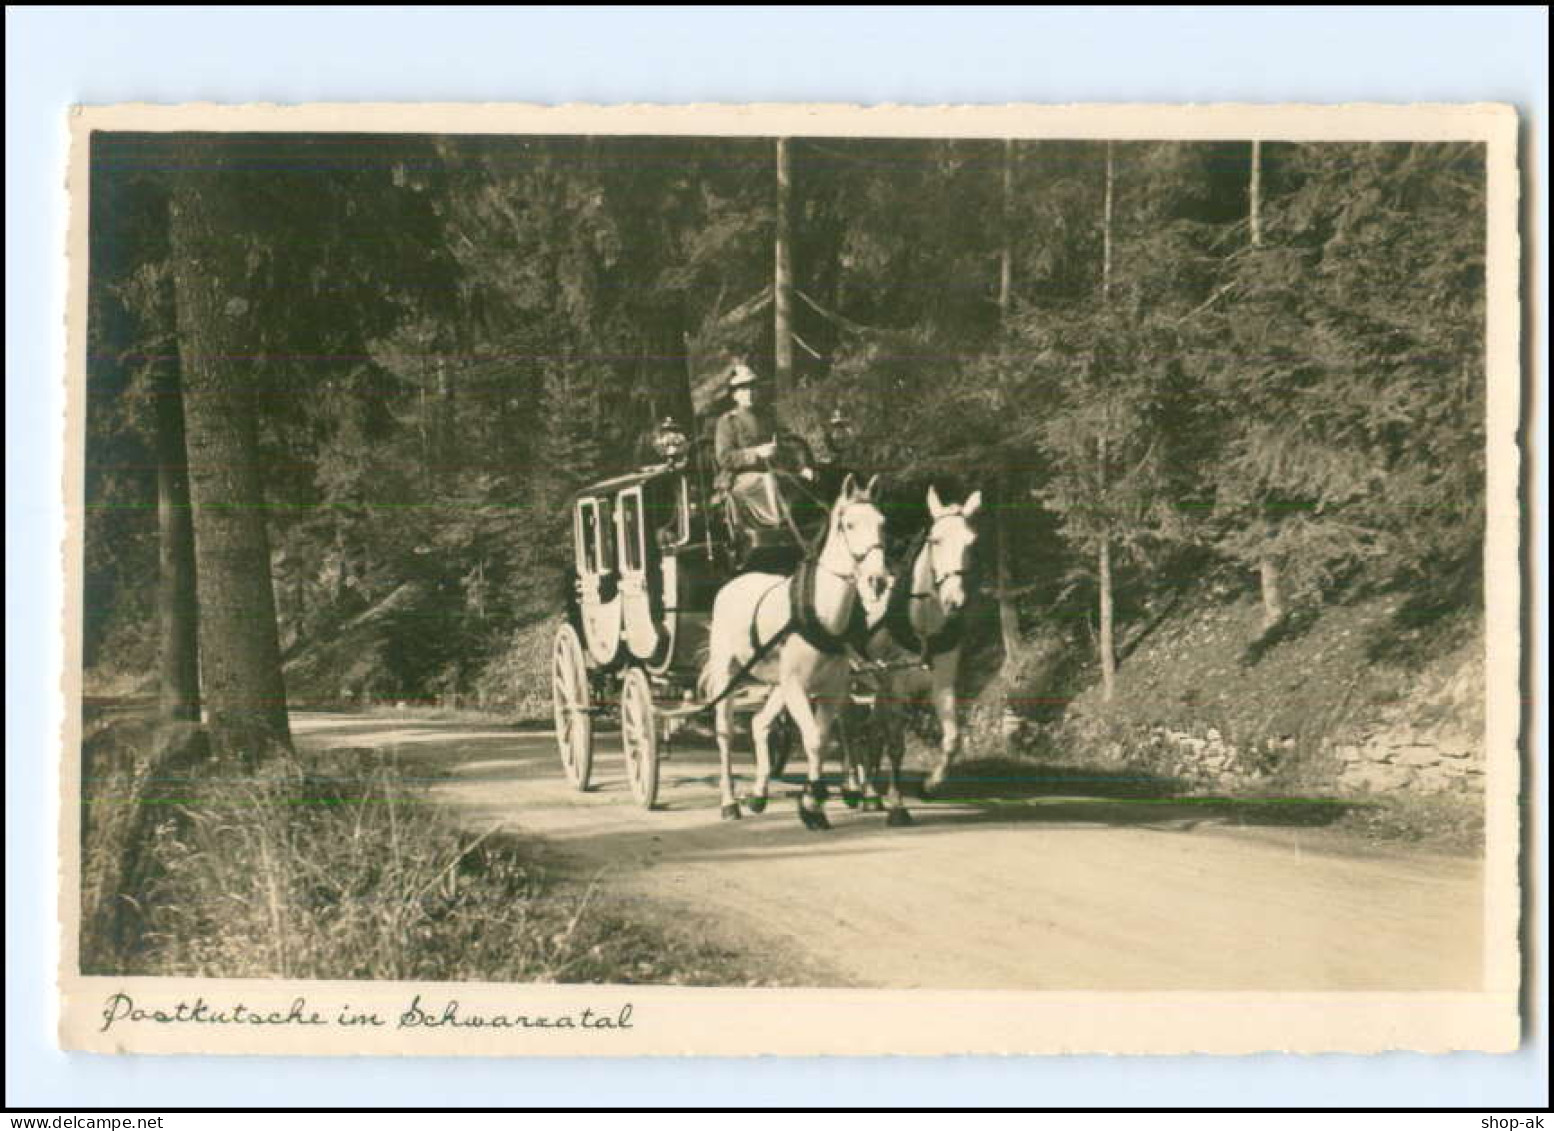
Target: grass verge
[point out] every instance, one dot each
(330, 866)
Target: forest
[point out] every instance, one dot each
(339, 387)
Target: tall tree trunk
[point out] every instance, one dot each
(240, 653)
(782, 289)
(1008, 614)
(667, 363)
(424, 426)
(1108, 649)
(1273, 595)
(447, 424)
(177, 620)
(1267, 568)
(1106, 231)
(1255, 192)
(1006, 236)
(1104, 570)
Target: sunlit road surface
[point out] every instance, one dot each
(1049, 893)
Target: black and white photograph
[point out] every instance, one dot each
(543, 578)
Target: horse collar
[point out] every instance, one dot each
(806, 618)
(898, 621)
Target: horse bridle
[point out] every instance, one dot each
(856, 557)
(939, 579)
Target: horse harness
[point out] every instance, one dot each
(897, 620)
(804, 619)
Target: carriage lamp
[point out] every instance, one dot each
(670, 441)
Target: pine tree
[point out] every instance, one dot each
(239, 651)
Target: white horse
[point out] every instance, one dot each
(808, 669)
(915, 639)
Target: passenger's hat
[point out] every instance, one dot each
(741, 375)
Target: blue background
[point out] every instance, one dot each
(56, 57)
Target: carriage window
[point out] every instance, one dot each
(588, 535)
(595, 536)
(606, 537)
(631, 530)
(682, 512)
(671, 510)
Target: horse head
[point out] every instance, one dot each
(950, 540)
(857, 536)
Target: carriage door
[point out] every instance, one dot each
(639, 620)
(597, 582)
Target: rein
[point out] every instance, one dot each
(848, 547)
(803, 619)
(927, 540)
(897, 620)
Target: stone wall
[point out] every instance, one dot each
(1408, 730)
(1431, 742)
(1208, 758)
(1378, 759)
(1421, 759)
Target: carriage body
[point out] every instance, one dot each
(651, 549)
(649, 556)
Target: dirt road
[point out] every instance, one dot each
(1040, 892)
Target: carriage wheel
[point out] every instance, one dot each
(639, 736)
(573, 705)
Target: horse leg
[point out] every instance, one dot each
(761, 732)
(811, 812)
(893, 739)
(854, 778)
(945, 668)
(869, 764)
(723, 726)
(869, 785)
(828, 710)
(860, 761)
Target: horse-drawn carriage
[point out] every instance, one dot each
(651, 549)
(671, 609)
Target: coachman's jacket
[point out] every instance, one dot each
(740, 431)
(740, 470)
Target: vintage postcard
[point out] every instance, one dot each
(792, 580)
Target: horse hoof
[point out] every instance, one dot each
(730, 812)
(898, 818)
(755, 804)
(813, 819)
(851, 799)
(873, 805)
